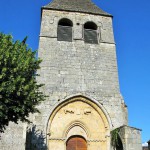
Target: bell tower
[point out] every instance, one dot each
(80, 73)
(80, 76)
(79, 56)
(79, 70)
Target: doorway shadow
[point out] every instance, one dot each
(119, 146)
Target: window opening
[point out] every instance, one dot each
(90, 33)
(64, 30)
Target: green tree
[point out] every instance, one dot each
(19, 90)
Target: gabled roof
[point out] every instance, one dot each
(85, 6)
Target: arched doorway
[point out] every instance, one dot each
(76, 143)
(78, 116)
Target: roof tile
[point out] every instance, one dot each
(85, 6)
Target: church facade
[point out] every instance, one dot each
(79, 70)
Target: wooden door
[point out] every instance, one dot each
(76, 143)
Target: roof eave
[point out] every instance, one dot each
(47, 8)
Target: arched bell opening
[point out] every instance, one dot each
(65, 22)
(64, 30)
(90, 25)
(90, 33)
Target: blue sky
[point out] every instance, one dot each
(132, 35)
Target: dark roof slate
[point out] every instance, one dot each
(85, 6)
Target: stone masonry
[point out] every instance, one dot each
(72, 68)
(69, 70)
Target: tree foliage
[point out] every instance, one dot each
(19, 90)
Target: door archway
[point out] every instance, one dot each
(76, 143)
(76, 117)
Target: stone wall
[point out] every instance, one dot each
(14, 137)
(71, 68)
(131, 138)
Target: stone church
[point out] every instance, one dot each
(79, 70)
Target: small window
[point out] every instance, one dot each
(90, 33)
(64, 31)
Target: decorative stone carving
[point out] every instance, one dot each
(96, 140)
(78, 112)
(69, 110)
(49, 134)
(57, 139)
(77, 130)
(87, 111)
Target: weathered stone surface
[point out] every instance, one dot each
(131, 138)
(76, 67)
(14, 137)
(74, 70)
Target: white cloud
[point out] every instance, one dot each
(145, 144)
